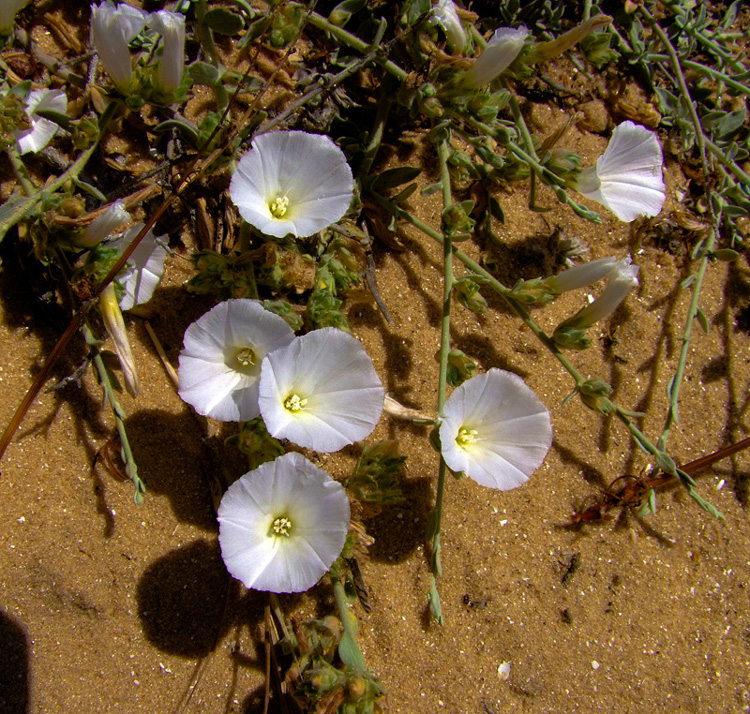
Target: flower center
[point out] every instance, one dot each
(281, 526)
(466, 436)
(278, 206)
(294, 403)
(246, 357)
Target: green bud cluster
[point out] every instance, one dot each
(256, 443)
(460, 368)
(595, 395)
(376, 476)
(456, 220)
(467, 292)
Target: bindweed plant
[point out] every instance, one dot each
(289, 199)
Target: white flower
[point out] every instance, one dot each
(171, 26)
(112, 29)
(282, 526)
(8, 10)
(447, 17)
(503, 47)
(621, 279)
(144, 268)
(495, 430)
(627, 177)
(42, 130)
(220, 363)
(321, 391)
(292, 182)
(580, 276)
(106, 224)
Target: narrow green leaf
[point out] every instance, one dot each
(702, 320)
(435, 609)
(350, 653)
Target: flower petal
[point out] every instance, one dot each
(331, 370)
(42, 130)
(629, 173)
(308, 169)
(317, 508)
(513, 431)
(144, 267)
(211, 380)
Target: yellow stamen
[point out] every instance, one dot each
(466, 436)
(278, 206)
(246, 357)
(295, 403)
(282, 526)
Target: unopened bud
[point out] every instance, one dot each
(595, 395)
(554, 48)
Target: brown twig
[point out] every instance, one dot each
(633, 492)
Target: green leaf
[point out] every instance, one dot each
(350, 653)
(223, 21)
(705, 505)
(435, 610)
(432, 524)
(666, 463)
(432, 189)
(59, 118)
(405, 193)
(188, 131)
(726, 254)
(342, 13)
(702, 320)
(497, 210)
(687, 282)
(205, 73)
(391, 178)
(731, 123)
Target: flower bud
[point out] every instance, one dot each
(554, 48)
(171, 26)
(504, 46)
(581, 276)
(112, 28)
(446, 16)
(467, 292)
(595, 395)
(621, 279)
(113, 321)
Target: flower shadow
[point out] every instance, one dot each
(14, 666)
(185, 600)
(176, 460)
(400, 529)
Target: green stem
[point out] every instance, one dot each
(20, 170)
(445, 338)
(709, 71)
(726, 161)
(355, 43)
(131, 469)
(504, 292)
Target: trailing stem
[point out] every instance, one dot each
(436, 517)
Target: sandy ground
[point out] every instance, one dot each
(112, 607)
